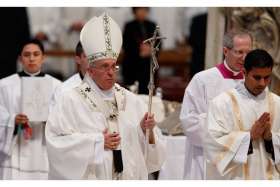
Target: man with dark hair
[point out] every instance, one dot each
(243, 131)
(23, 153)
(203, 87)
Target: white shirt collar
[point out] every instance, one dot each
(234, 72)
(240, 87)
(32, 74)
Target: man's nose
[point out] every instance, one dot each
(262, 82)
(31, 57)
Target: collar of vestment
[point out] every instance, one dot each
(228, 74)
(81, 75)
(241, 88)
(265, 96)
(96, 98)
(24, 74)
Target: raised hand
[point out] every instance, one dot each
(259, 127)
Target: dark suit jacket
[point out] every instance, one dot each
(135, 67)
(197, 40)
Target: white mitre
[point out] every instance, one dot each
(101, 38)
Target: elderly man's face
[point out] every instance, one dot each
(31, 58)
(235, 57)
(103, 72)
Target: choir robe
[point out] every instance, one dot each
(20, 158)
(203, 87)
(75, 140)
(230, 119)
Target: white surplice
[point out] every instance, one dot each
(203, 87)
(75, 141)
(20, 158)
(230, 118)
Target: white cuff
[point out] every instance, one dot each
(241, 154)
(98, 154)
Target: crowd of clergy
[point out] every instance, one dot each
(90, 127)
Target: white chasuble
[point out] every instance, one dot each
(230, 118)
(75, 140)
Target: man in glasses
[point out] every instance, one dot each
(203, 87)
(97, 130)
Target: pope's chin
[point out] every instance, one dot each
(108, 85)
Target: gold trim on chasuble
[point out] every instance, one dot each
(90, 97)
(269, 171)
(237, 117)
(230, 139)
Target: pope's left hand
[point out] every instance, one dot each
(148, 122)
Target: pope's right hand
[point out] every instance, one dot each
(111, 140)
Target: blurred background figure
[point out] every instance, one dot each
(137, 56)
(45, 25)
(197, 41)
(170, 20)
(74, 18)
(14, 31)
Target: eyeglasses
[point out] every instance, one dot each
(239, 53)
(106, 68)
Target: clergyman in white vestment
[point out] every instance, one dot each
(203, 87)
(97, 130)
(243, 139)
(22, 157)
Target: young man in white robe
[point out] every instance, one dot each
(76, 79)
(97, 130)
(243, 126)
(203, 87)
(21, 157)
